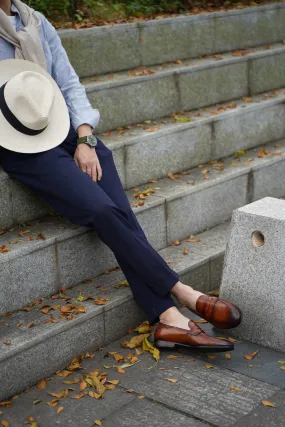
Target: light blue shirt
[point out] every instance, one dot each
(59, 67)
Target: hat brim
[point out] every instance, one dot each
(59, 124)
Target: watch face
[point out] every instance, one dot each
(91, 140)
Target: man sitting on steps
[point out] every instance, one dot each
(47, 141)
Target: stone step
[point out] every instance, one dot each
(151, 150)
(31, 348)
(146, 152)
(145, 93)
(112, 48)
(200, 199)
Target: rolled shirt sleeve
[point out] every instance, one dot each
(80, 109)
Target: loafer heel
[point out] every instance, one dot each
(164, 344)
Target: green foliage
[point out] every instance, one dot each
(125, 7)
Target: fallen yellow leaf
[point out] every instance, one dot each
(59, 409)
(267, 403)
(98, 423)
(4, 423)
(232, 387)
(146, 346)
(228, 356)
(208, 366)
(144, 328)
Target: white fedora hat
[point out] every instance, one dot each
(33, 113)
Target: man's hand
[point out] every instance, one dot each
(86, 158)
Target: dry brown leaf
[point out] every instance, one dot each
(114, 382)
(141, 397)
(118, 357)
(230, 339)
(63, 373)
(282, 368)
(3, 249)
(267, 403)
(53, 402)
(185, 251)
(205, 171)
(173, 356)
(83, 385)
(42, 385)
(176, 243)
(75, 381)
(211, 356)
(228, 356)
(78, 396)
(101, 301)
(250, 356)
(120, 370)
(98, 423)
(208, 366)
(59, 409)
(172, 380)
(282, 362)
(4, 423)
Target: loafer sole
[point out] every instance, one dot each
(208, 348)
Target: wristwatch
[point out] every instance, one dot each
(90, 140)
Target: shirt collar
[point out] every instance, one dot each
(14, 9)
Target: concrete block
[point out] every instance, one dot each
(248, 130)
(121, 318)
(26, 204)
(206, 208)
(173, 152)
(176, 38)
(6, 219)
(253, 277)
(241, 29)
(28, 278)
(42, 359)
(207, 86)
(267, 73)
(82, 257)
(102, 50)
(136, 102)
(268, 181)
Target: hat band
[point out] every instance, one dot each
(14, 122)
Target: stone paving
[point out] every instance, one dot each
(203, 390)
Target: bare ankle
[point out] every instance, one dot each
(169, 315)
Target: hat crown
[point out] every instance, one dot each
(30, 97)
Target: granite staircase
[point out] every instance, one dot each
(193, 110)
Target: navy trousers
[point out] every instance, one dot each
(103, 205)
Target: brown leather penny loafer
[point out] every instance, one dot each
(221, 313)
(196, 339)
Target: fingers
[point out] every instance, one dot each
(94, 172)
(76, 161)
(99, 170)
